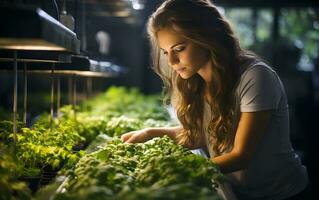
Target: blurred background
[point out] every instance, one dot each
(285, 33)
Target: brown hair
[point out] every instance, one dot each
(200, 22)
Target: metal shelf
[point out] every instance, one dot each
(78, 65)
(34, 56)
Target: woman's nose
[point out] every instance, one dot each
(172, 59)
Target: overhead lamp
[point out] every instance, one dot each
(30, 28)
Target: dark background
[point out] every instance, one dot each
(129, 48)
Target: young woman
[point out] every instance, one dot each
(227, 100)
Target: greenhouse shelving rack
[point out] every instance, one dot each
(72, 66)
(44, 49)
(46, 34)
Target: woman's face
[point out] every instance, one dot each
(183, 55)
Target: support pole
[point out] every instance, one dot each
(58, 96)
(25, 94)
(15, 96)
(88, 87)
(74, 95)
(70, 89)
(52, 97)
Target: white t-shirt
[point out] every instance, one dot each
(275, 171)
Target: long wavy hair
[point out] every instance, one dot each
(200, 22)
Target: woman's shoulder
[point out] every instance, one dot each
(249, 61)
(255, 66)
(259, 88)
(256, 70)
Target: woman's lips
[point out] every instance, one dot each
(180, 70)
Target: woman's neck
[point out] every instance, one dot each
(206, 72)
(207, 96)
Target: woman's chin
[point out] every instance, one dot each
(185, 75)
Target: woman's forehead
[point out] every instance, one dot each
(167, 38)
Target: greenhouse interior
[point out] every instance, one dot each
(78, 75)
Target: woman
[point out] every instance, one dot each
(227, 101)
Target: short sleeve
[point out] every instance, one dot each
(259, 89)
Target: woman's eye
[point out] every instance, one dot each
(179, 49)
(175, 50)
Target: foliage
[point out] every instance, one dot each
(117, 101)
(48, 145)
(6, 129)
(118, 170)
(158, 169)
(10, 187)
(299, 25)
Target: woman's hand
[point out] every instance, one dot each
(146, 134)
(138, 136)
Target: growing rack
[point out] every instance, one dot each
(48, 35)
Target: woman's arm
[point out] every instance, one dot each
(251, 128)
(149, 133)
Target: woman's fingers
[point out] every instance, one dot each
(126, 136)
(134, 136)
(132, 139)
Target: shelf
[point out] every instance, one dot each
(7, 56)
(78, 65)
(74, 72)
(29, 28)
